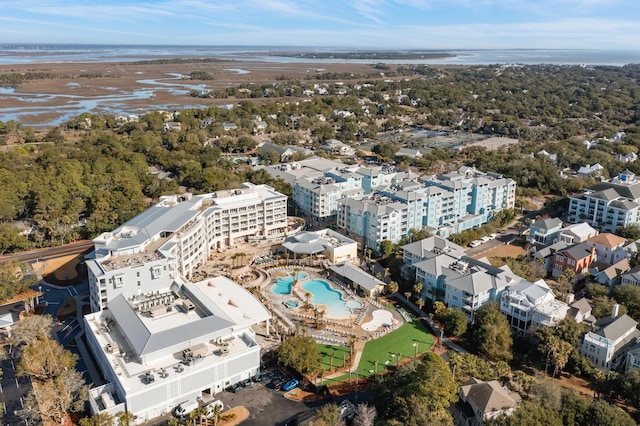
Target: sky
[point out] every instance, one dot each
(367, 24)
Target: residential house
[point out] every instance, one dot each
(576, 233)
(608, 205)
(606, 347)
(482, 402)
(545, 255)
(611, 275)
(544, 231)
(408, 152)
(552, 157)
(229, 126)
(285, 151)
(631, 277)
(627, 158)
(610, 248)
(576, 258)
(172, 126)
(528, 304)
(589, 170)
(336, 147)
(580, 310)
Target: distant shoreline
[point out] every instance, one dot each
(32, 54)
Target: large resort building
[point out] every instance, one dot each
(159, 339)
(171, 238)
(160, 349)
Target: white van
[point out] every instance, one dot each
(184, 408)
(211, 407)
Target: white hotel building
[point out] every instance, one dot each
(159, 339)
(186, 343)
(171, 238)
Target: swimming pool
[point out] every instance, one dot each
(323, 294)
(283, 285)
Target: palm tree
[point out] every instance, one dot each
(420, 303)
(392, 287)
(331, 361)
(319, 316)
(455, 361)
(307, 297)
(173, 422)
(417, 289)
(125, 418)
(216, 414)
(375, 367)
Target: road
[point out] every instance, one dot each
(79, 247)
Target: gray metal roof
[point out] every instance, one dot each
(615, 329)
(357, 276)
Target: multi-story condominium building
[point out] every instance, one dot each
(529, 304)
(453, 278)
(609, 205)
(413, 195)
(427, 260)
(176, 235)
(374, 178)
(606, 347)
(470, 198)
(186, 343)
(372, 219)
(318, 196)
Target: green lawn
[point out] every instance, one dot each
(337, 351)
(386, 349)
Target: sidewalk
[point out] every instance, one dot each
(432, 325)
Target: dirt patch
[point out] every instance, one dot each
(233, 417)
(506, 250)
(63, 271)
(575, 383)
(298, 394)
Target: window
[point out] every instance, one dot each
(118, 281)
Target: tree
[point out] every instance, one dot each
(392, 287)
(492, 333)
(455, 321)
(365, 415)
(328, 415)
(386, 247)
(300, 353)
(216, 414)
(100, 419)
(426, 383)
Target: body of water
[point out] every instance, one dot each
(17, 54)
(283, 285)
(323, 294)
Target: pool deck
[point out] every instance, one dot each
(336, 331)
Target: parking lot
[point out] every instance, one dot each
(266, 406)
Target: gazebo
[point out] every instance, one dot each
(308, 243)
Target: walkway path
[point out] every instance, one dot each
(432, 325)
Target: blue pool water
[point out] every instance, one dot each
(323, 294)
(283, 285)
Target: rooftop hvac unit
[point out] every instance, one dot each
(112, 347)
(188, 305)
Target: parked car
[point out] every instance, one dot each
(235, 388)
(184, 408)
(475, 243)
(493, 236)
(291, 384)
(246, 383)
(257, 377)
(485, 239)
(276, 383)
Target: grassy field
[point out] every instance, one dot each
(391, 349)
(337, 351)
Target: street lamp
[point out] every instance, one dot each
(415, 345)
